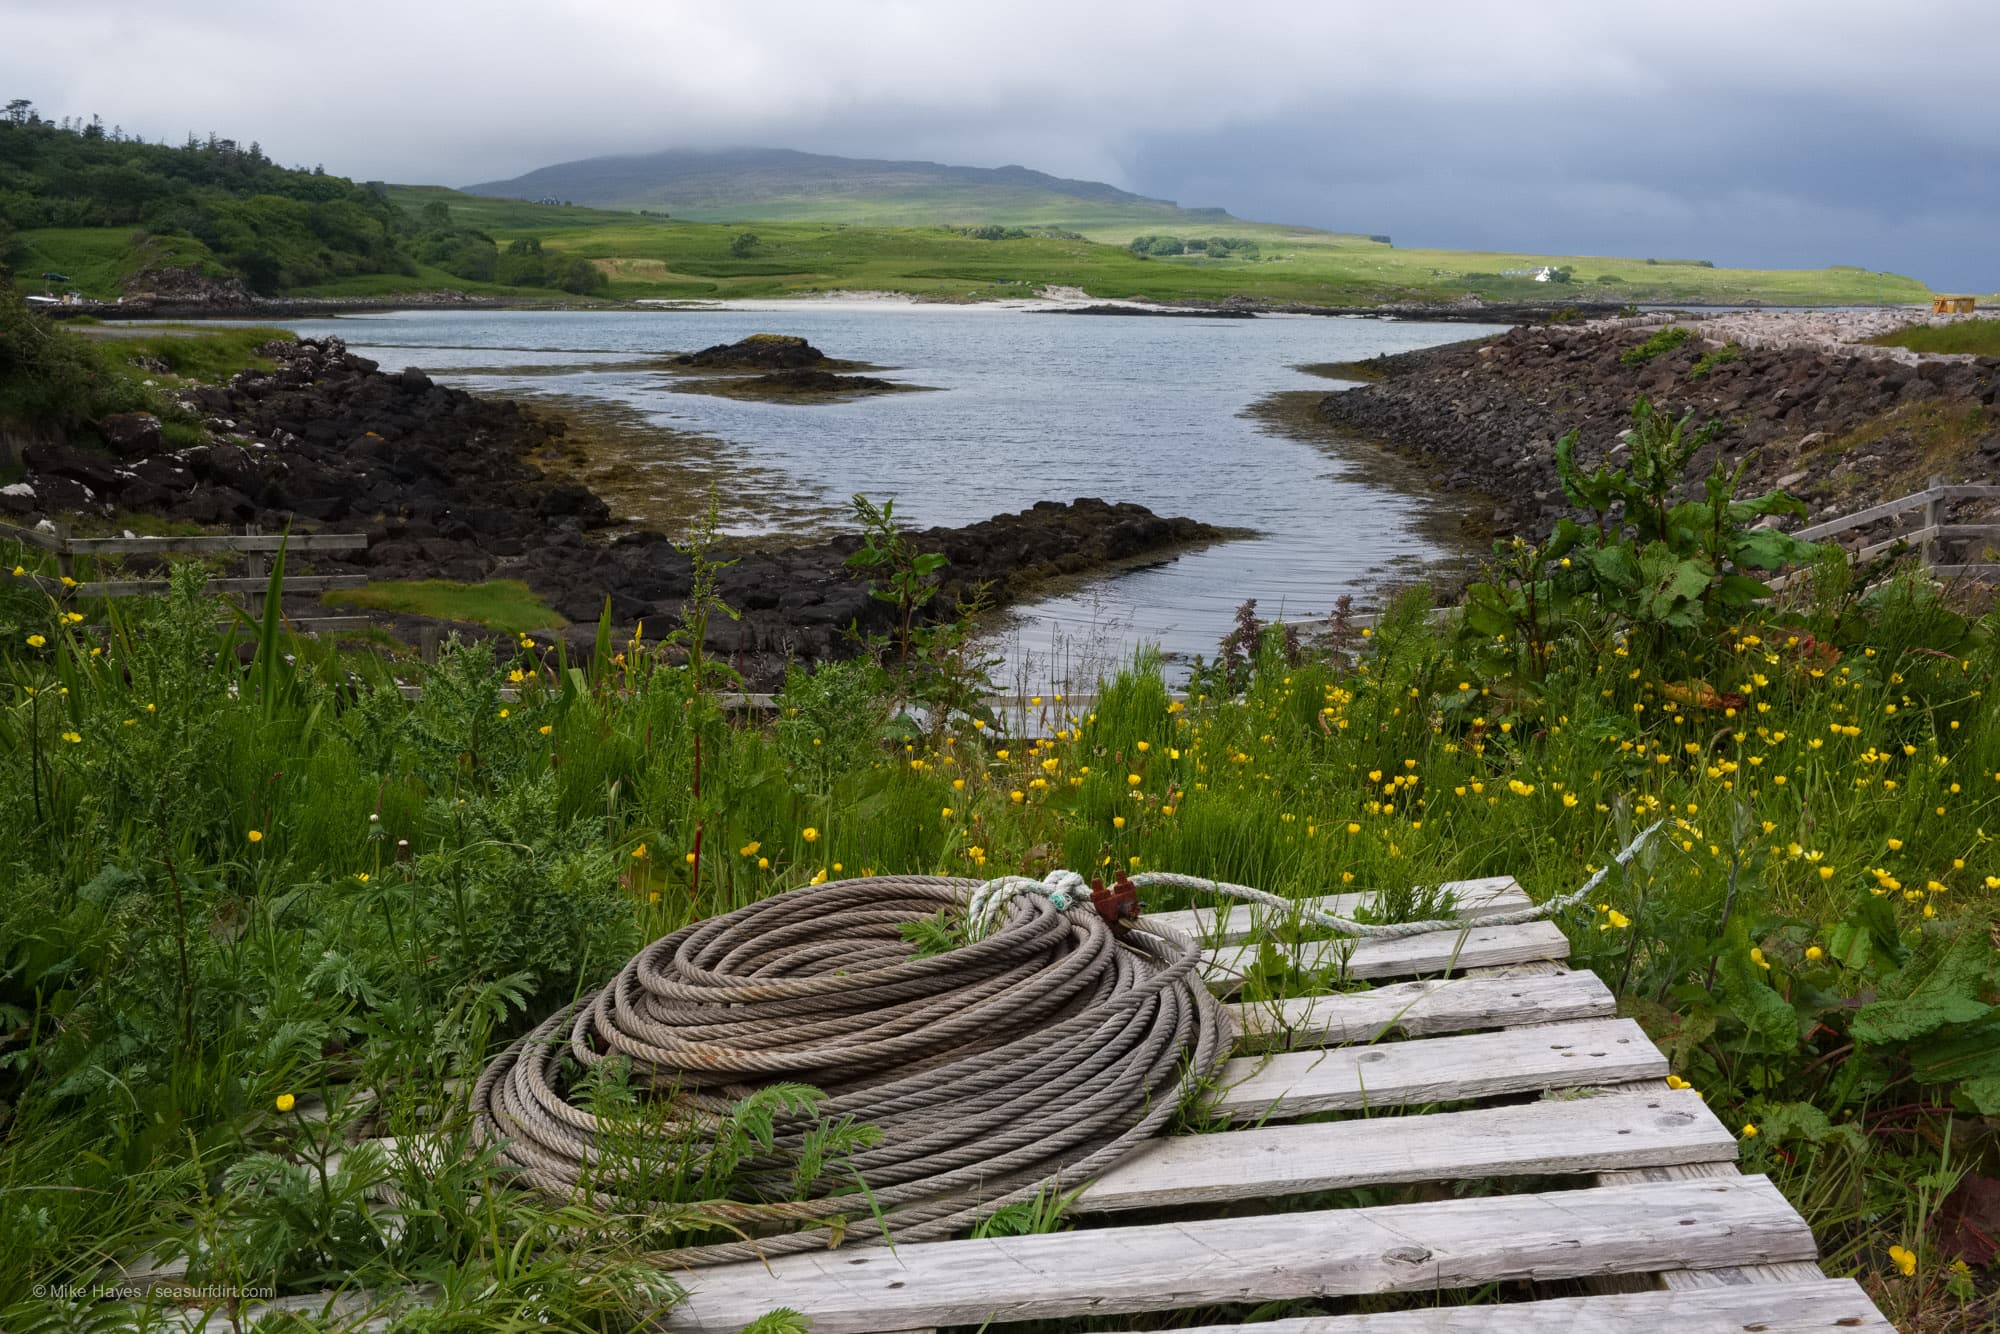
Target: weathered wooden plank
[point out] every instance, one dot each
(1236, 922)
(1430, 953)
(1726, 1276)
(1986, 573)
(1421, 1008)
(1538, 1138)
(1817, 1305)
(1396, 1248)
(31, 537)
(1583, 1054)
(304, 583)
(246, 542)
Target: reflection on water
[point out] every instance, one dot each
(1035, 407)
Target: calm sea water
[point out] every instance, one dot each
(1031, 406)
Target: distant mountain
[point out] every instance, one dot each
(729, 184)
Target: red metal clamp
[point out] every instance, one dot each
(1117, 903)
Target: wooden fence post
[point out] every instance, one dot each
(255, 566)
(65, 563)
(1933, 517)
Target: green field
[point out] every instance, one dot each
(1979, 338)
(653, 258)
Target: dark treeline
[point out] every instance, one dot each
(277, 228)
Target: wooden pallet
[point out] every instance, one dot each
(1478, 1056)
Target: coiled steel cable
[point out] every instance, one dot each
(1030, 1058)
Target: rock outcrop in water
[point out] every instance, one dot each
(758, 352)
(450, 485)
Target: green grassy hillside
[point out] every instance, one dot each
(768, 184)
(651, 257)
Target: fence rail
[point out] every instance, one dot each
(255, 547)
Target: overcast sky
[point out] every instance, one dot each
(1753, 132)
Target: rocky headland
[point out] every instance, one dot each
(1841, 425)
(451, 485)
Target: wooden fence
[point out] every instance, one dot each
(1926, 538)
(254, 547)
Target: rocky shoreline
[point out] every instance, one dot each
(450, 485)
(1838, 426)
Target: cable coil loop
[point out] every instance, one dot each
(1035, 1055)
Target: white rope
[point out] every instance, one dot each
(1063, 889)
(1067, 889)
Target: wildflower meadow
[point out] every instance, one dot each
(256, 912)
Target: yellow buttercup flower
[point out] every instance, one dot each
(255, 836)
(1904, 1260)
(36, 641)
(286, 1102)
(1749, 1130)
(809, 834)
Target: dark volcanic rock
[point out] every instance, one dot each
(131, 434)
(1487, 414)
(817, 382)
(758, 352)
(805, 385)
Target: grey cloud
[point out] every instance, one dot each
(1778, 131)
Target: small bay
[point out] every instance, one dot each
(1030, 406)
